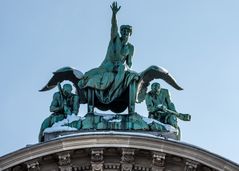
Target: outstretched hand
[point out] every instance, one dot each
(115, 7)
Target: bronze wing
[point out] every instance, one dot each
(151, 73)
(62, 74)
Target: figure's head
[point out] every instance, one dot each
(67, 88)
(125, 31)
(155, 87)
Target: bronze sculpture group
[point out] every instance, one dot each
(112, 85)
(112, 77)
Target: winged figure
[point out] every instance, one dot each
(112, 85)
(121, 102)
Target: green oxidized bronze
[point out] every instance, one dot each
(161, 107)
(64, 103)
(113, 86)
(112, 77)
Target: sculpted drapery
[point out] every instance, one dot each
(113, 76)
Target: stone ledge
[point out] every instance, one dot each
(119, 140)
(61, 134)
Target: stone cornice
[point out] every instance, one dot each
(133, 141)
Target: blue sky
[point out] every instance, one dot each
(197, 41)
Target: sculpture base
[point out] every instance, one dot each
(61, 134)
(96, 122)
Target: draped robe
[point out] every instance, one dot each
(112, 77)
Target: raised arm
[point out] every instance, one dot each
(114, 27)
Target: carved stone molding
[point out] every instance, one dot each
(111, 166)
(190, 165)
(65, 168)
(64, 161)
(158, 162)
(83, 167)
(141, 168)
(158, 159)
(127, 155)
(33, 165)
(80, 153)
(97, 155)
(126, 167)
(97, 166)
(127, 159)
(97, 161)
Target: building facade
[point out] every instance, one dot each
(114, 151)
